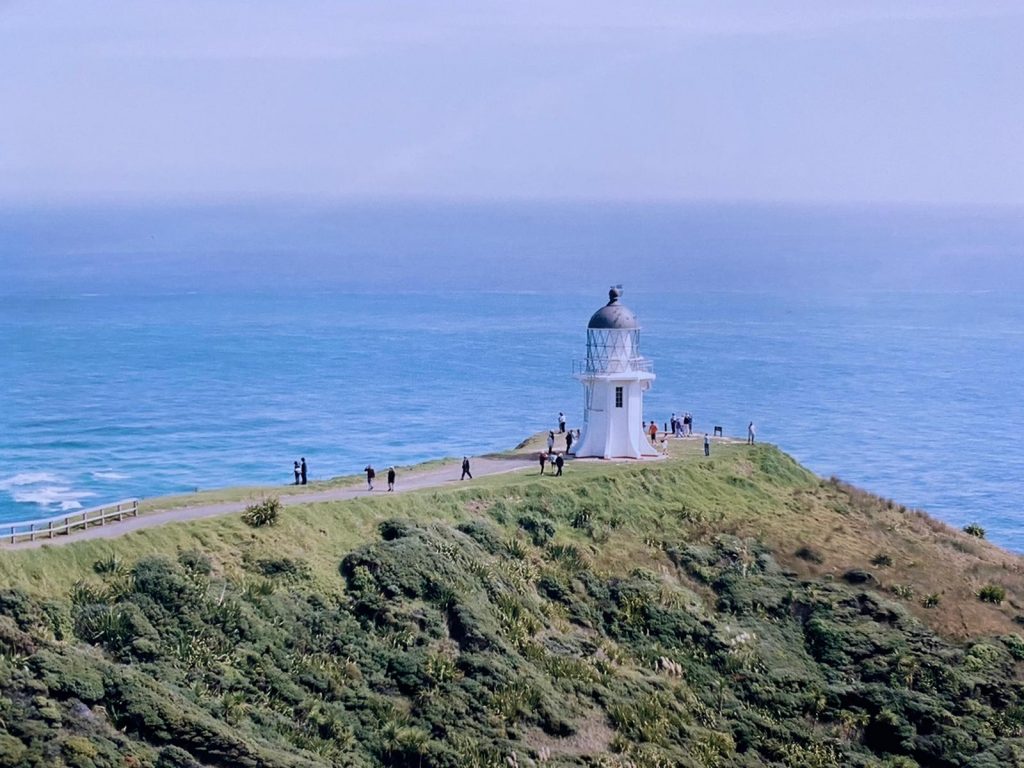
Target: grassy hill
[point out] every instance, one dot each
(731, 611)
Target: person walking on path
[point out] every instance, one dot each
(391, 478)
(707, 445)
(561, 422)
(559, 462)
(653, 431)
(370, 474)
(543, 458)
(551, 442)
(465, 469)
(302, 470)
(751, 431)
(297, 471)
(568, 441)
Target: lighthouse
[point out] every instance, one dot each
(614, 378)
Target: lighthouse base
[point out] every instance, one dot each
(614, 409)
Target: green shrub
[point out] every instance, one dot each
(992, 593)
(541, 531)
(119, 628)
(809, 554)
(516, 549)
(881, 560)
(931, 601)
(87, 593)
(79, 752)
(175, 757)
(484, 534)
(165, 583)
(258, 588)
(569, 556)
(68, 674)
(262, 513)
(1015, 645)
(281, 567)
(581, 519)
(975, 530)
(12, 751)
(111, 564)
(195, 562)
(902, 591)
(395, 529)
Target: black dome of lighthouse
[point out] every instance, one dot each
(613, 315)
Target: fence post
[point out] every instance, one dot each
(49, 527)
(32, 532)
(12, 534)
(119, 513)
(135, 508)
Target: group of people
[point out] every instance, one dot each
(552, 457)
(682, 426)
(371, 474)
(570, 437)
(557, 462)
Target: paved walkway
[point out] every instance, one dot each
(442, 476)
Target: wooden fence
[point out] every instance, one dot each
(62, 525)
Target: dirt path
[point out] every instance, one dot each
(442, 476)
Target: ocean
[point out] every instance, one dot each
(914, 396)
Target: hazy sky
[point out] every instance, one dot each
(822, 101)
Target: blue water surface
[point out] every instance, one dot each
(917, 397)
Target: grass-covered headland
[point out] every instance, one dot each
(731, 611)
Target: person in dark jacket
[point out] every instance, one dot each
(302, 469)
(543, 459)
(297, 471)
(391, 478)
(568, 441)
(465, 469)
(370, 474)
(559, 461)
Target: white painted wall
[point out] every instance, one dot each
(612, 432)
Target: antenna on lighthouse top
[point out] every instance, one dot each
(615, 293)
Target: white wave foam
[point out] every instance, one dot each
(51, 495)
(27, 478)
(67, 506)
(109, 476)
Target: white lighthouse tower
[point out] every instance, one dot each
(614, 378)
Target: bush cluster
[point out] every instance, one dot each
(262, 513)
(443, 647)
(975, 530)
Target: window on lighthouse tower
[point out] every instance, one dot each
(618, 397)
